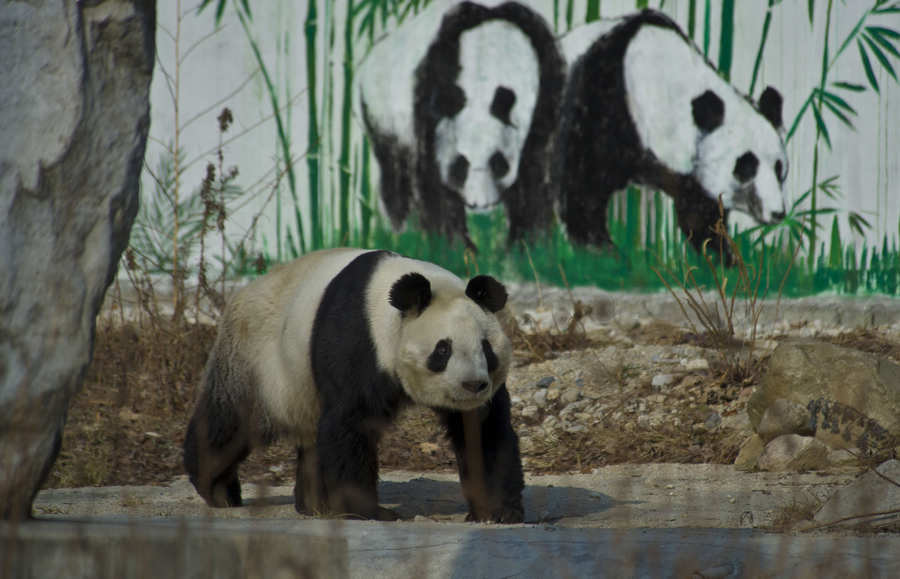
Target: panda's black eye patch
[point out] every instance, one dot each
(489, 356)
(449, 100)
(501, 106)
(499, 165)
(745, 167)
(779, 171)
(437, 361)
(459, 171)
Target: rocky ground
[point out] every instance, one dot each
(598, 379)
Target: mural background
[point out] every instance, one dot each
(288, 169)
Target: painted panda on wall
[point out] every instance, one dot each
(642, 105)
(460, 106)
(326, 349)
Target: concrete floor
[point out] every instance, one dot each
(656, 520)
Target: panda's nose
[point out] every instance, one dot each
(474, 386)
(777, 215)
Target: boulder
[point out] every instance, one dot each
(749, 453)
(74, 115)
(785, 417)
(875, 495)
(793, 452)
(852, 399)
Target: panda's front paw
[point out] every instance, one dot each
(506, 514)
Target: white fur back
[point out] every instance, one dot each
(272, 320)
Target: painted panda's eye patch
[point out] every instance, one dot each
(437, 361)
(779, 171)
(459, 171)
(501, 106)
(489, 356)
(499, 165)
(449, 101)
(745, 167)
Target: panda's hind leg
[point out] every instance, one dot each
(217, 441)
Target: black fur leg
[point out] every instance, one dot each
(697, 217)
(214, 446)
(347, 448)
(497, 496)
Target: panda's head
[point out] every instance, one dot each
(740, 154)
(486, 113)
(452, 352)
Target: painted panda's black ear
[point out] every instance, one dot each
(411, 294)
(487, 293)
(709, 111)
(770, 103)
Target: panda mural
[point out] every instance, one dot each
(642, 105)
(460, 106)
(326, 349)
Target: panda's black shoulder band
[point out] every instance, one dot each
(487, 292)
(411, 293)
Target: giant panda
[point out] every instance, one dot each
(642, 105)
(460, 105)
(326, 349)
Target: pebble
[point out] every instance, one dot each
(695, 364)
(530, 412)
(553, 394)
(545, 382)
(661, 380)
(569, 396)
(540, 397)
(713, 420)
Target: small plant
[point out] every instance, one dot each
(716, 315)
(793, 513)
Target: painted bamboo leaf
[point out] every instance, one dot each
(593, 11)
(692, 18)
(893, 9)
(878, 34)
(313, 145)
(820, 124)
(344, 160)
(706, 28)
(835, 255)
(849, 86)
(858, 223)
(879, 54)
(726, 39)
(762, 44)
(867, 66)
(835, 104)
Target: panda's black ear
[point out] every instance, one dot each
(709, 111)
(770, 103)
(487, 293)
(411, 294)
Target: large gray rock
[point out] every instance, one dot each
(74, 116)
(793, 452)
(871, 500)
(852, 399)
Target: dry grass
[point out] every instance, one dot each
(793, 513)
(534, 343)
